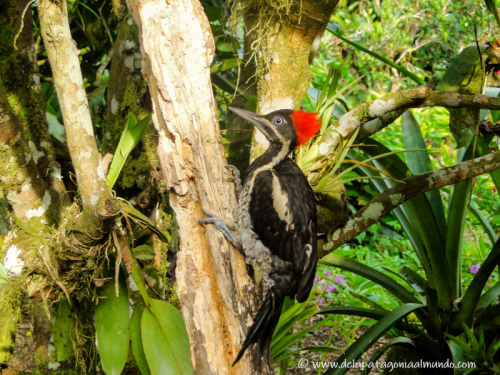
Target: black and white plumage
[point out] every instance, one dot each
(277, 223)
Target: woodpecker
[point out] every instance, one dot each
(277, 220)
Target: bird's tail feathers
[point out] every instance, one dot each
(263, 326)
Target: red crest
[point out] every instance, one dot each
(306, 125)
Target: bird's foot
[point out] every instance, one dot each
(224, 227)
(235, 178)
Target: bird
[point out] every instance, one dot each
(277, 225)
(277, 219)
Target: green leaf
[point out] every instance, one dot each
(420, 162)
(64, 332)
(358, 268)
(372, 335)
(144, 252)
(398, 67)
(489, 297)
(136, 339)
(484, 222)
(472, 295)
(224, 65)
(492, 7)
(112, 318)
(316, 349)
(165, 340)
(424, 228)
(284, 343)
(395, 341)
(351, 310)
(460, 68)
(142, 219)
(4, 277)
(130, 138)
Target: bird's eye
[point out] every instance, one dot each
(278, 120)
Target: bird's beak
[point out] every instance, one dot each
(254, 118)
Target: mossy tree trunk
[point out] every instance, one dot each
(30, 179)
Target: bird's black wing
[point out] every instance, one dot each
(283, 213)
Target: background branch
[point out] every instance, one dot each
(68, 81)
(407, 189)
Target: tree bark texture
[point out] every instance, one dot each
(68, 81)
(285, 38)
(217, 296)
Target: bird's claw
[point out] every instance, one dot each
(235, 178)
(222, 226)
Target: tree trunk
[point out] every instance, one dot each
(217, 296)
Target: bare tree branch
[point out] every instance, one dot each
(68, 81)
(383, 107)
(409, 188)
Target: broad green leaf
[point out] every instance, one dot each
(401, 212)
(398, 67)
(489, 297)
(224, 65)
(372, 335)
(144, 252)
(112, 318)
(460, 67)
(420, 162)
(165, 340)
(358, 268)
(136, 339)
(395, 341)
(424, 226)
(64, 332)
(130, 138)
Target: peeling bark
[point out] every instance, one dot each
(216, 294)
(409, 188)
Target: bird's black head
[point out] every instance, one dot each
(283, 127)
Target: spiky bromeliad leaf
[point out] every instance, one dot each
(398, 67)
(371, 336)
(130, 138)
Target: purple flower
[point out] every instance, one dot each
(474, 268)
(339, 279)
(321, 285)
(316, 280)
(327, 273)
(330, 288)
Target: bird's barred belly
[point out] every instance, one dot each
(256, 254)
